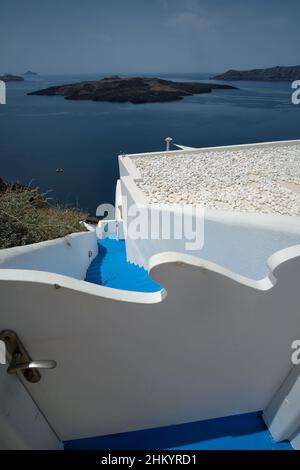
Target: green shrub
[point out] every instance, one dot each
(26, 218)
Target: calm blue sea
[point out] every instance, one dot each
(39, 134)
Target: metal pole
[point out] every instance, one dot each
(168, 141)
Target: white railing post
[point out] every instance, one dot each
(168, 141)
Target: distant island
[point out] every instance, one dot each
(29, 72)
(132, 90)
(7, 77)
(269, 74)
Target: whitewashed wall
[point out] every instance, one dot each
(295, 440)
(215, 346)
(219, 343)
(68, 255)
(22, 425)
(240, 242)
(279, 143)
(282, 414)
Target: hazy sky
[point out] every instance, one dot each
(131, 36)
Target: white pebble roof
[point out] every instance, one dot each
(254, 179)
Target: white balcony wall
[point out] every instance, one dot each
(212, 347)
(240, 242)
(70, 255)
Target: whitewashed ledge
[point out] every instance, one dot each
(210, 329)
(259, 178)
(252, 205)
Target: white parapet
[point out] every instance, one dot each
(215, 341)
(210, 344)
(70, 255)
(282, 414)
(240, 241)
(22, 424)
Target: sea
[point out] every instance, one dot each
(39, 134)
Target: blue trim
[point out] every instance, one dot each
(242, 432)
(110, 268)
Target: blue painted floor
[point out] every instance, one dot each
(111, 269)
(242, 432)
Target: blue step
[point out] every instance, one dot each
(110, 268)
(241, 432)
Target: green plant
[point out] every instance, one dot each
(26, 218)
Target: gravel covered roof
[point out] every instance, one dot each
(264, 179)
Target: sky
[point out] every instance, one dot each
(147, 36)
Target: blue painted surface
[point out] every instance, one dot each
(242, 432)
(111, 269)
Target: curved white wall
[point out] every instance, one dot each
(213, 347)
(22, 425)
(69, 256)
(283, 412)
(240, 242)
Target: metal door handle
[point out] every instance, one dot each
(15, 367)
(20, 359)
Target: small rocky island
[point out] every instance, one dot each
(132, 90)
(29, 73)
(269, 74)
(7, 77)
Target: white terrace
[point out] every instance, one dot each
(214, 340)
(250, 195)
(251, 178)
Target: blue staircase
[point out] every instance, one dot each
(110, 268)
